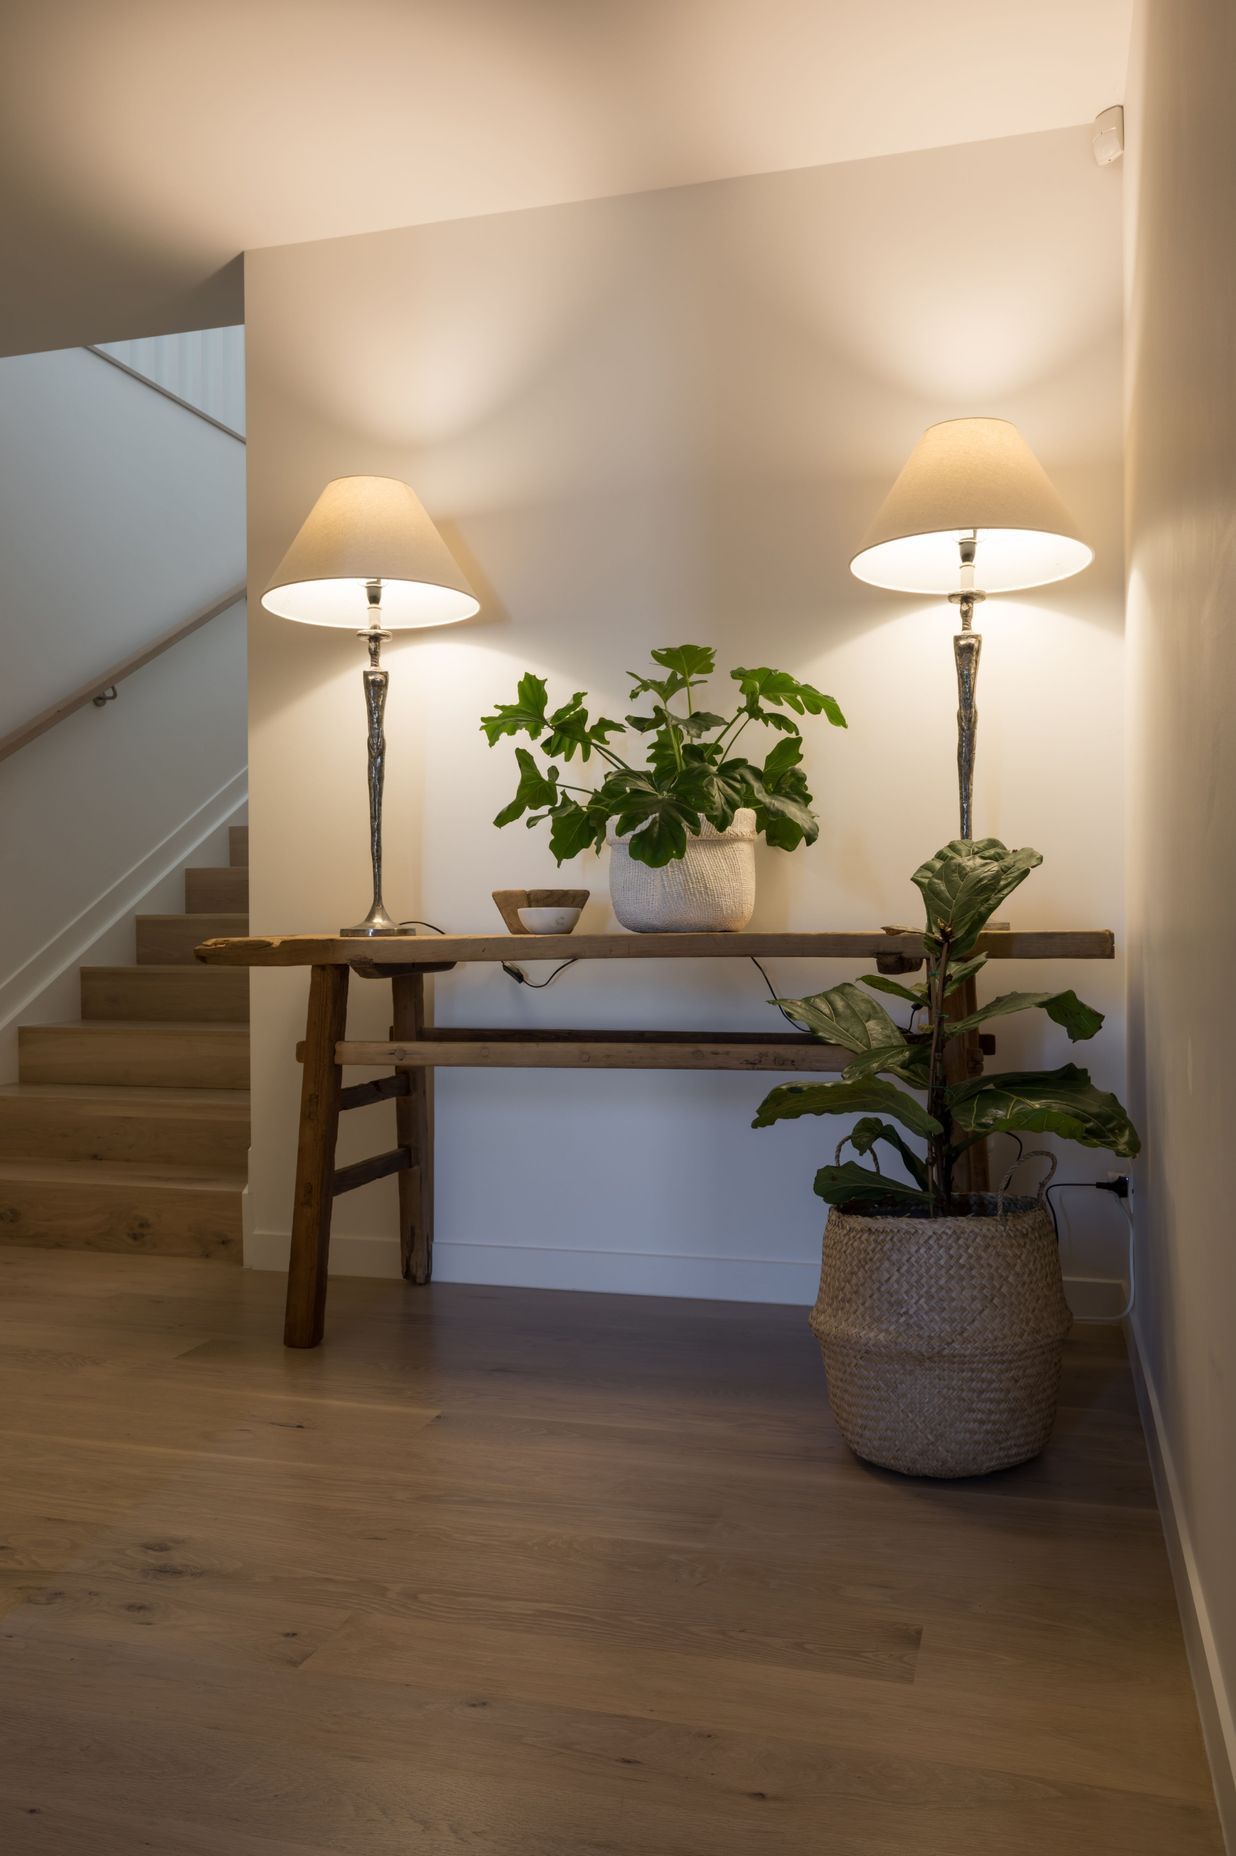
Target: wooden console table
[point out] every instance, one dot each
(416, 1048)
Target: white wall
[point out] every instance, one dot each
(120, 516)
(1182, 777)
(643, 420)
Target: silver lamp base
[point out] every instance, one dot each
(376, 922)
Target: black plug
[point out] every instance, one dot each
(515, 973)
(1121, 1185)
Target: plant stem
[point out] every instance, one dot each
(939, 1182)
(673, 735)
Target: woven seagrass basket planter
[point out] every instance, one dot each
(942, 1337)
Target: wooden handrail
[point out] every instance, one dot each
(68, 705)
(113, 360)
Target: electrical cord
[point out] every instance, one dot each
(517, 973)
(773, 999)
(1119, 1189)
(512, 972)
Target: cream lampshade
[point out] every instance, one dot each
(362, 530)
(973, 512)
(367, 556)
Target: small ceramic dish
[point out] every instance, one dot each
(548, 921)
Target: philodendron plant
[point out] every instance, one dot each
(693, 774)
(961, 885)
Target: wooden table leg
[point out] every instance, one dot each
(414, 1129)
(964, 1059)
(325, 1026)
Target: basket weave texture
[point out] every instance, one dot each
(942, 1337)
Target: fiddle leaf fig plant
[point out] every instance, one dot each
(961, 886)
(692, 773)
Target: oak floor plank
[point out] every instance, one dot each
(510, 1574)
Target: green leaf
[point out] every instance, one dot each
(910, 1062)
(571, 733)
(917, 995)
(664, 687)
(701, 722)
(965, 882)
(574, 828)
(654, 815)
(525, 716)
(790, 1100)
(691, 661)
(959, 971)
(851, 1184)
(845, 1015)
(782, 799)
(780, 688)
(1062, 1101)
(866, 1133)
(1065, 1008)
(535, 789)
(783, 758)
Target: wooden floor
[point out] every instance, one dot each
(519, 1574)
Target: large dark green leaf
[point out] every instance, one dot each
(845, 1015)
(524, 716)
(574, 828)
(1062, 1101)
(780, 688)
(790, 1100)
(654, 815)
(851, 1184)
(867, 1133)
(963, 884)
(782, 798)
(1065, 1008)
(848, 1016)
(535, 789)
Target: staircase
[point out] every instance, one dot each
(130, 1129)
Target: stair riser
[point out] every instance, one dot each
(218, 994)
(141, 1056)
(142, 1218)
(169, 940)
(58, 1130)
(210, 890)
(238, 845)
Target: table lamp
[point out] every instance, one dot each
(368, 556)
(972, 508)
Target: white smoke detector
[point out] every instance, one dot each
(1107, 139)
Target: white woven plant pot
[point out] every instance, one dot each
(711, 887)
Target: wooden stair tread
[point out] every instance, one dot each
(123, 1173)
(168, 1100)
(156, 1027)
(204, 915)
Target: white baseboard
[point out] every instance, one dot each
(604, 1272)
(1213, 1701)
(611, 1272)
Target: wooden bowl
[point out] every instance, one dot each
(511, 901)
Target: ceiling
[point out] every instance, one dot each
(152, 141)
